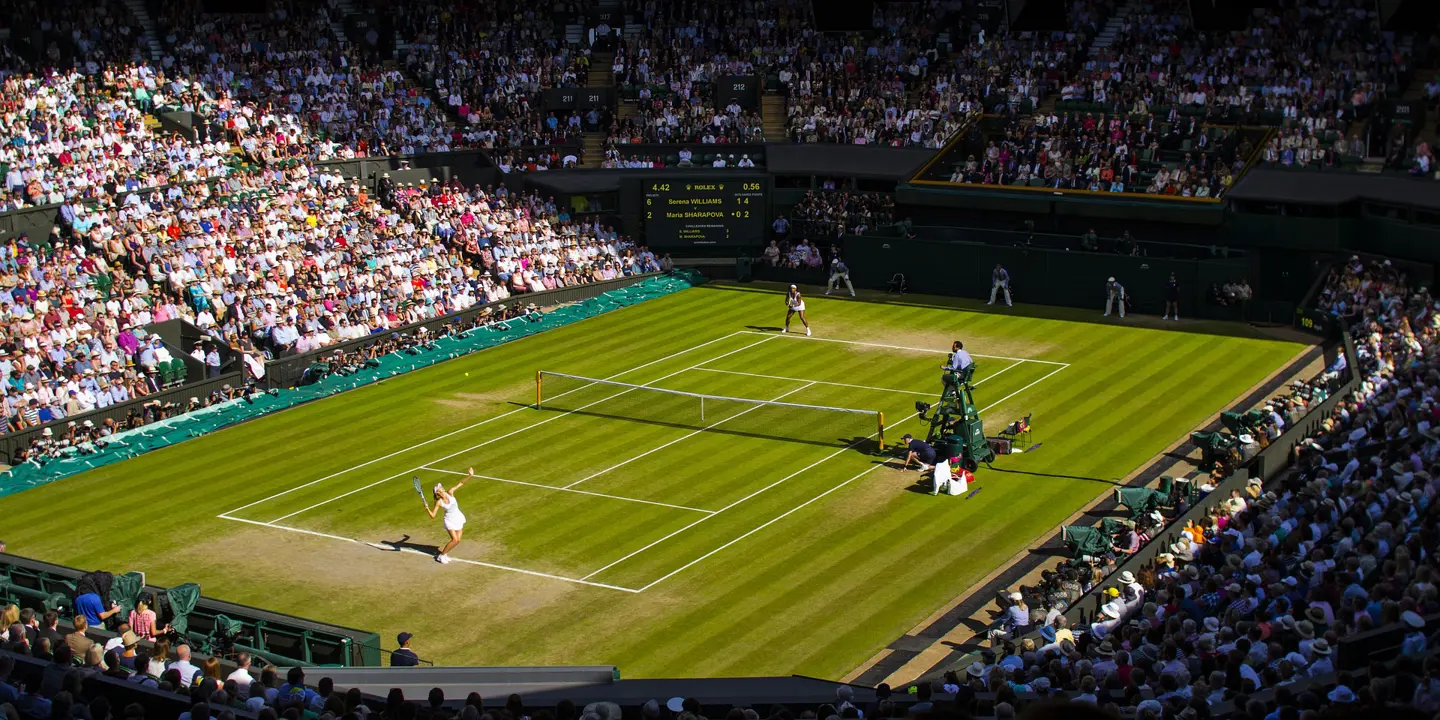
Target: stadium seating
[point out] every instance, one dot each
(146, 216)
(1285, 589)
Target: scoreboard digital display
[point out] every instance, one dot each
(705, 211)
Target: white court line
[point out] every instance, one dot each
(758, 528)
(778, 482)
(815, 382)
(286, 527)
(1023, 389)
(1002, 371)
(522, 571)
(566, 489)
(847, 448)
(932, 351)
(527, 428)
(849, 385)
(651, 451)
(469, 427)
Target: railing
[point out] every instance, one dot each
(1274, 458)
(285, 371)
(281, 639)
(121, 412)
(1263, 466)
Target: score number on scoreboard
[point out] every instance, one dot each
(710, 212)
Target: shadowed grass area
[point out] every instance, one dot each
(763, 540)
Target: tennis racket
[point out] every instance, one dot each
(421, 492)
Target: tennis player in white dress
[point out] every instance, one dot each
(454, 519)
(794, 304)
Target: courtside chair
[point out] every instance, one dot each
(170, 371)
(1018, 429)
(166, 370)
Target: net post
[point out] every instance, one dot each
(880, 422)
(539, 386)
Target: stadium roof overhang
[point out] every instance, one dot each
(1320, 188)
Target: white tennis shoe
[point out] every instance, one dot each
(444, 559)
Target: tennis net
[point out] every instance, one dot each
(776, 418)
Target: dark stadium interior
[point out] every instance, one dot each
(187, 179)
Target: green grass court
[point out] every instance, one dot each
(618, 525)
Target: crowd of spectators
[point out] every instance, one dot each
(880, 87)
(86, 34)
(288, 64)
(856, 88)
(1295, 147)
(831, 213)
(150, 657)
(1100, 153)
(671, 120)
(1315, 69)
(238, 231)
(1259, 594)
(515, 243)
(488, 62)
(1160, 60)
(69, 136)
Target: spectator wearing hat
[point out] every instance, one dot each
(1127, 581)
(403, 655)
(1415, 642)
(1321, 663)
(1014, 621)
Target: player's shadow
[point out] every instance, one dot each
(1113, 481)
(764, 328)
(922, 486)
(404, 544)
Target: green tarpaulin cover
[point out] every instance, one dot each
(1085, 540)
(1139, 500)
(183, 599)
(180, 428)
(126, 590)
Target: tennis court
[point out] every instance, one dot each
(620, 487)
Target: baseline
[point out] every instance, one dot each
(506, 435)
(932, 351)
(466, 428)
(390, 548)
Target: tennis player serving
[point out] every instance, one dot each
(454, 519)
(795, 304)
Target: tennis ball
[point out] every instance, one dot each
(467, 374)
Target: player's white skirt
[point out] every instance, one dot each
(454, 523)
(798, 308)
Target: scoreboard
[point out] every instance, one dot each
(723, 210)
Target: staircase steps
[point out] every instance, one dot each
(149, 35)
(774, 116)
(592, 149)
(1111, 30)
